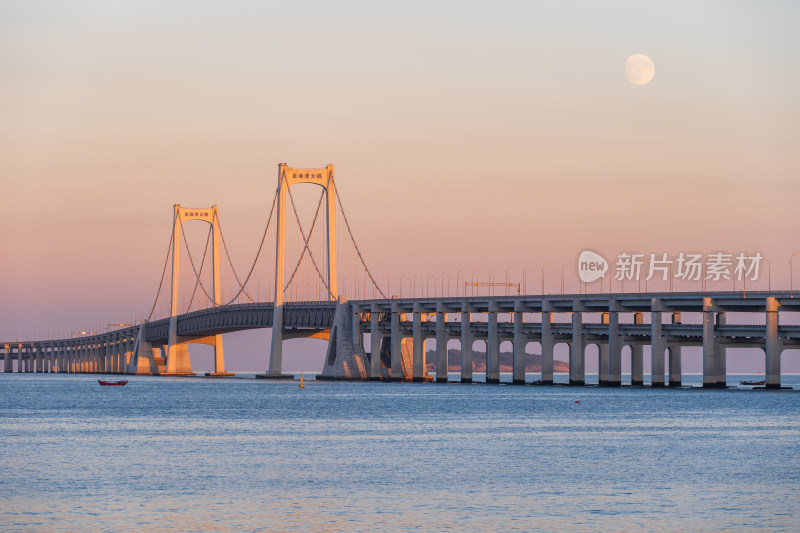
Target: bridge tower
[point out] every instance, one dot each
(288, 177)
(178, 361)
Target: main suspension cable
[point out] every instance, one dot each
(163, 273)
(302, 233)
(189, 253)
(202, 265)
(306, 239)
(233, 269)
(260, 246)
(352, 238)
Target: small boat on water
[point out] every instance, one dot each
(112, 383)
(753, 382)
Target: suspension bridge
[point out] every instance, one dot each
(312, 281)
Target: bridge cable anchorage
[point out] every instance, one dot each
(163, 274)
(352, 238)
(202, 265)
(306, 240)
(258, 253)
(230, 262)
(302, 233)
(189, 253)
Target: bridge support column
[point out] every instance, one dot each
(441, 345)
(276, 348)
(128, 355)
(466, 344)
(219, 360)
(418, 373)
(492, 347)
(577, 375)
(602, 363)
(520, 340)
(143, 361)
(637, 357)
(106, 359)
(721, 354)
(97, 356)
(39, 356)
(709, 346)
(675, 373)
(122, 356)
(602, 357)
(397, 346)
(375, 338)
(547, 347)
(7, 364)
(657, 344)
(773, 347)
(614, 348)
(117, 354)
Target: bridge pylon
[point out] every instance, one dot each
(178, 361)
(287, 177)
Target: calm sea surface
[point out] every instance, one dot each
(189, 454)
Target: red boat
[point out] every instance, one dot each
(753, 382)
(108, 383)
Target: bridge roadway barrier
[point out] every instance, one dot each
(398, 328)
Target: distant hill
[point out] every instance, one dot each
(533, 362)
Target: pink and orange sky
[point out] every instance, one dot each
(466, 135)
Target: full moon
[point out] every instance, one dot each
(639, 69)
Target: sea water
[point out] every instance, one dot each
(197, 454)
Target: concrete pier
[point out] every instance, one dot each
(466, 344)
(637, 357)
(520, 341)
(441, 344)
(547, 342)
(397, 346)
(614, 346)
(492, 347)
(418, 347)
(576, 355)
(772, 345)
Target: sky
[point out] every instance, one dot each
(466, 136)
